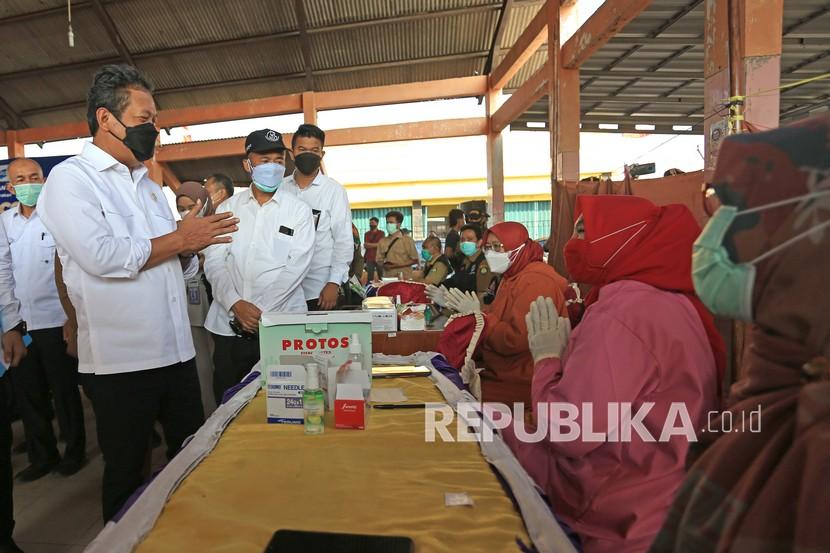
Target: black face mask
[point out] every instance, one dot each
(140, 139)
(307, 163)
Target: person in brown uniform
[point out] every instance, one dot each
(474, 275)
(436, 265)
(397, 253)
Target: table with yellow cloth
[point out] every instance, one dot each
(383, 480)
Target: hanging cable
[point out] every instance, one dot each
(69, 33)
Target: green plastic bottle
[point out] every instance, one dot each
(313, 401)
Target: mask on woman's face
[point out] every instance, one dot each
(267, 176)
(726, 287)
(576, 255)
(500, 262)
(469, 249)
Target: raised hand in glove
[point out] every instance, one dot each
(463, 302)
(547, 332)
(437, 294)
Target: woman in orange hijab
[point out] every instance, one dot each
(518, 258)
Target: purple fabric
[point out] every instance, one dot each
(454, 375)
(136, 494)
(230, 392)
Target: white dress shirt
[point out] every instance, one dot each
(33, 262)
(103, 216)
(266, 262)
(9, 305)
(333, 244)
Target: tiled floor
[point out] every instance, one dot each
(58, 514)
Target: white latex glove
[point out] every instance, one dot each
(463, 302)
(437, 294)
(547, 332)
(470, 377)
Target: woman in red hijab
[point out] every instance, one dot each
(646, 341)
(508, 364)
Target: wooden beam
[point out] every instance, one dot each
(495, 162)
(15, 145)
(423, 130)
(170, 178)
(305, 46)
(461, 87)
(275, 105)
(57, 132)
(521, 100)
(609, 19)
(112, 32)
(309, 108)
(552, 71)
(530, 40)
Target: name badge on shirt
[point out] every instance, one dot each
(286, 231)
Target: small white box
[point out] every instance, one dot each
(284, 399)
(383, 312)
(413, 317)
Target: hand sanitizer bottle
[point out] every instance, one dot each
(313, 401)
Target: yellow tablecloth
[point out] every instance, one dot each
(383, 480)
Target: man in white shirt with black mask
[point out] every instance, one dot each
(334, 244)
(263, 268)
(124, 264)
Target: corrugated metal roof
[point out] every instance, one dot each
(186, 22)
(11, 8)
(425, 38)
(324, 13)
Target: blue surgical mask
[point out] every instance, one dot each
(469, 248)
(726, 287)
(267, 176)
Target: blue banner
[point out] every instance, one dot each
(7, 199)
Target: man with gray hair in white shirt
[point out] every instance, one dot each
(124, 264)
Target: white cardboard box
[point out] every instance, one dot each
(383, 312)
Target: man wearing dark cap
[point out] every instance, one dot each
(478, 217)
(263, 268)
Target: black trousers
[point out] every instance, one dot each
(47, 367)
(233, 358)
(126, 407)
(6, 507)
(372, 268)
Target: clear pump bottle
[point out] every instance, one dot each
(313, 401)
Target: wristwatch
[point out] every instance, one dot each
(21, 328)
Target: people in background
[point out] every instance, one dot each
(220, 187)
(673, 172)
(473, 275)
(124, 264)
(396, 252)
(508, 363)
(47, 368)
(263, 268)
(371, 241)
(455, 221)
(436, 265)
(333, 243)
(12, 350)
(763, 257)
(190, 195)
(356, 271)
(645, 338)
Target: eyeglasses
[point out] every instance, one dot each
(493, 247)
(711, 200)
